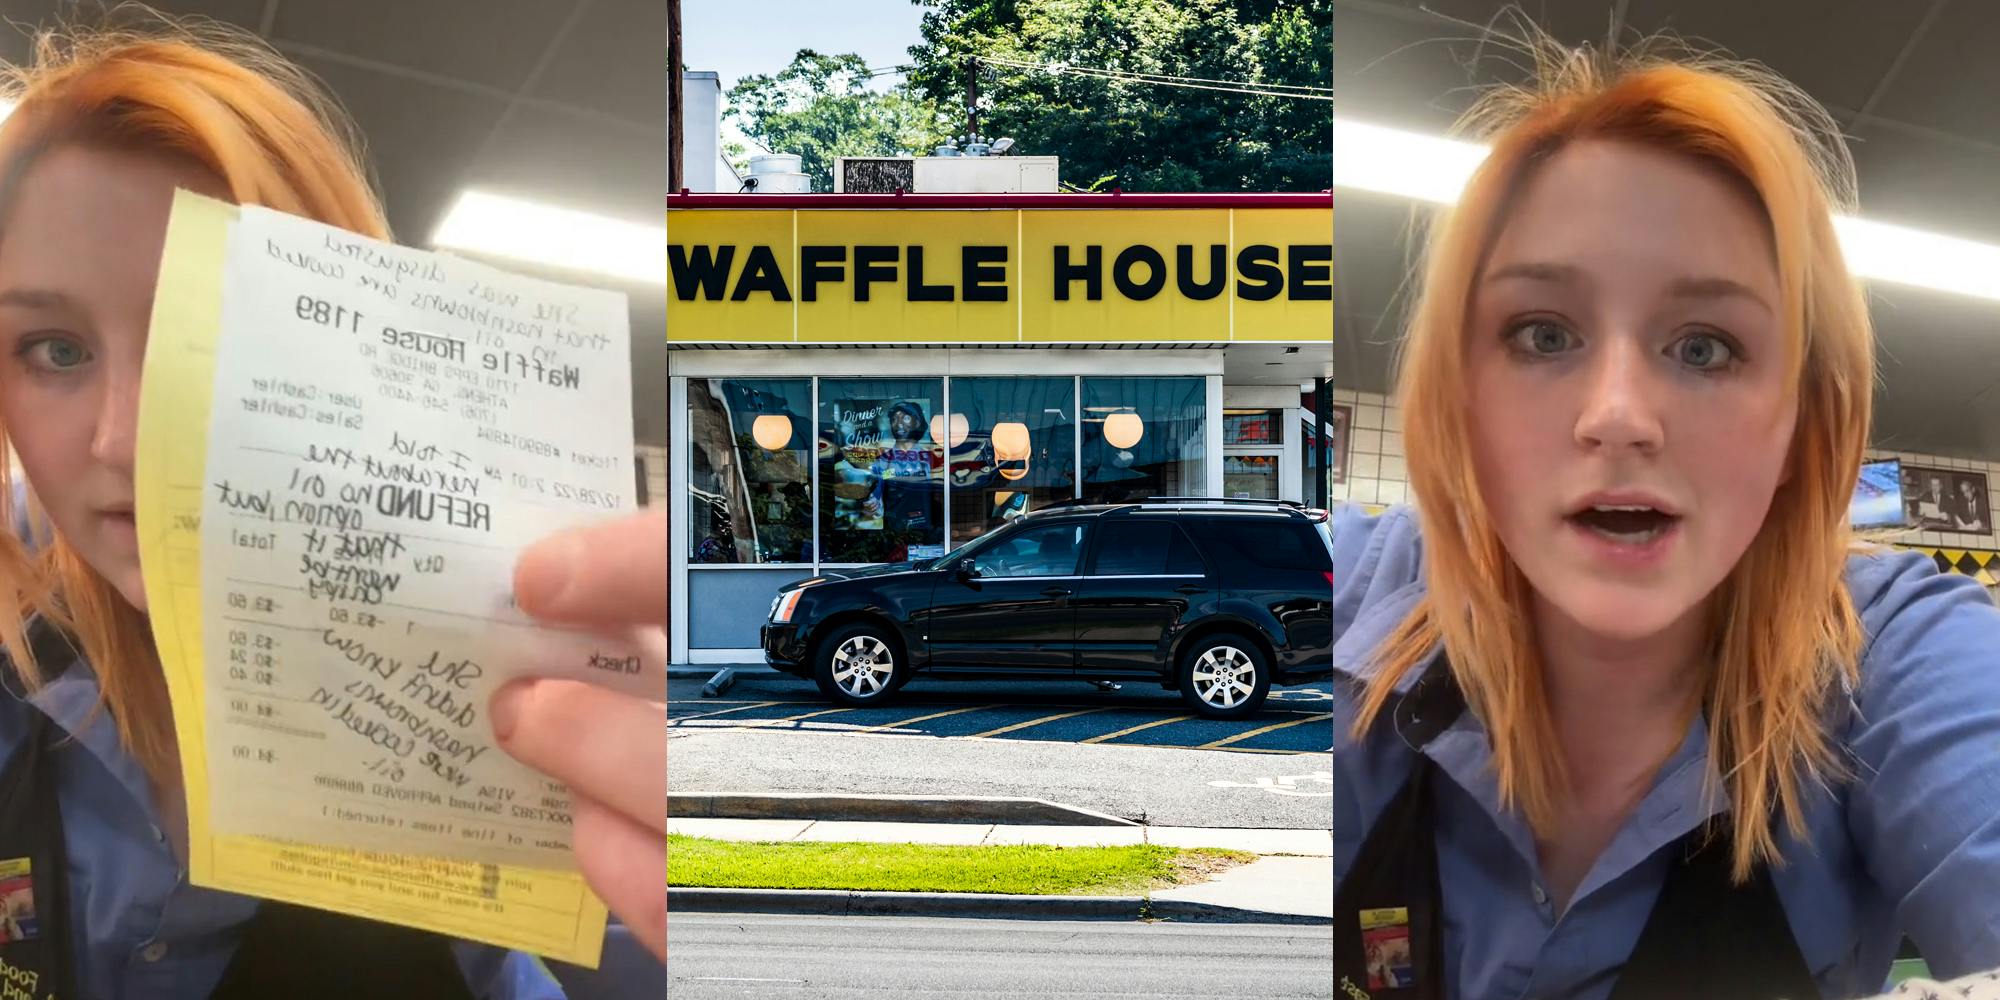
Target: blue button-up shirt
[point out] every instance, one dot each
(1910, 846)
(141, 931)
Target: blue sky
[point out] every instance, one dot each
(737, 38)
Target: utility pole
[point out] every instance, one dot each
(674, 97)
(971, 98)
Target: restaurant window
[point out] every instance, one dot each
(1144, 437)
(881, 470)
(748, 471)
(1253, 427)
(1013, 449)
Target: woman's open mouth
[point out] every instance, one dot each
(1625, 524)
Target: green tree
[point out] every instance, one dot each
(1152, 137)
(821, 107)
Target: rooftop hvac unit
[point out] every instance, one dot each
(945, 174)
(777, 173)
(875, 175)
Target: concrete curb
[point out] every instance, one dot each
(704, 671)
(886, 809)
(840, 902)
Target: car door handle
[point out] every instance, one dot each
(1055, 592)
(1189, 588)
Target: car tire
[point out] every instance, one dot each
(1215, 671)
(859, 665)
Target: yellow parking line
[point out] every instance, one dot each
(922, 718)
(797, 718)
(1037, 722)
(1264, 729)
(726, 711)
(1134, 729)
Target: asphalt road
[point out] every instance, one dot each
(738, 957)
(1293, 720)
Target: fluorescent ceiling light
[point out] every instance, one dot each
(499, 226)
(1434, 169)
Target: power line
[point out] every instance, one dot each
(1163, 80)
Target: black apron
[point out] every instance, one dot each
(1706, 937)
(287, 951)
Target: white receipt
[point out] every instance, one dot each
(389, 429)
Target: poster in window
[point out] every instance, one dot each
(882, 463)
(1952, 500)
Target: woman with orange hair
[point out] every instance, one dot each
(1623, 709)
(107, 125)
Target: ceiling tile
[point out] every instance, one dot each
(420, 139)
(1928, 181)
(242, 13)
(614, 60)
(578, 163)
(491, 42)
(1848, 51)
(1950, 79)
(1393, 70)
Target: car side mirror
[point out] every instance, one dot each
(966, 570)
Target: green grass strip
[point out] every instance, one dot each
(1028, 869)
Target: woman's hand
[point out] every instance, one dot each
(609, 748)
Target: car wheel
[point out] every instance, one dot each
(858, 665)
(1224, 677)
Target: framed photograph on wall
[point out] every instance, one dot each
(1946, 500)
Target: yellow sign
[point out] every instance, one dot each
(819, 276)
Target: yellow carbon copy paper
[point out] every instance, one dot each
(281, 804)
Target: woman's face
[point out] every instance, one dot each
(79, 255)
(1629, 411)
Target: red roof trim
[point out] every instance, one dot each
(837, 202)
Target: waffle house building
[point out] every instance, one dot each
(868, 379)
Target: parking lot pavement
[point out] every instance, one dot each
(1293, 720)
(1157, 786)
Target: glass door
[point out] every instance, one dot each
(1253, 455)
(1251, 474)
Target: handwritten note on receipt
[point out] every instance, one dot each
(343, 446)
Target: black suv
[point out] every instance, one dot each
(1219, 599)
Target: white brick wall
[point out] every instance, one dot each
(654, 458)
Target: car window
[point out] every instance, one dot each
(1044, 550)
(1129, 547)
(1182, 557)
(1265, 544)
(1144, 547)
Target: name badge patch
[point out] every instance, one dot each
(1385, 943)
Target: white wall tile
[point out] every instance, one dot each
(1389, 492)
(1392, 443)
(1393, 468)
(1362, 490)
(1343, 395)
(1364, 466)
(1368, 416)
(1339, 491)
(1366, 443)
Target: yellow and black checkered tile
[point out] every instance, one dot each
(1980, 564)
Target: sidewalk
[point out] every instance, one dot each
(1305, 843)
(1292, 877)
